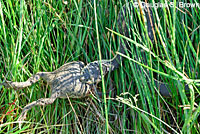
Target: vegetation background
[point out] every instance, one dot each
(40, 35)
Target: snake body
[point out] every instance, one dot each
(91, 72)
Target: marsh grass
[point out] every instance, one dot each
(43, 35)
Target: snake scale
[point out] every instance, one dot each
(74, 79)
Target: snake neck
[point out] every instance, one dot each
(115, 61)
(123, 28)
(124, 24)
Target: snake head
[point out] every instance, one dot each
(86, 77)
(90, 74)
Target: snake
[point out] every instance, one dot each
(91, 73)
(75, 79)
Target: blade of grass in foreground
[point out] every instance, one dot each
(102, 76)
